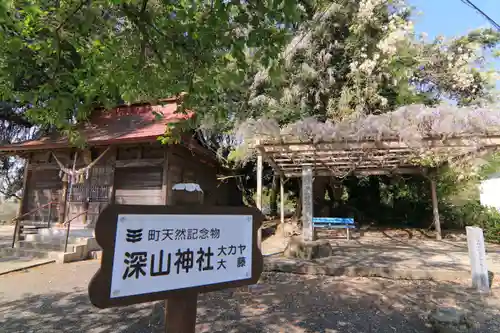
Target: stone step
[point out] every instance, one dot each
(75, 231)
(28, 253)
(39, 224)
(55, 239)
(58, 256)
(47, 246)
(29, 230)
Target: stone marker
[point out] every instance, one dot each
(299, 248)
(477, 256)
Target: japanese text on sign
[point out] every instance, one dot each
(166, 252)
(160, 235)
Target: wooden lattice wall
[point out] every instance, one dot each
(133, 174)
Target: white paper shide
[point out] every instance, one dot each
(155, 253)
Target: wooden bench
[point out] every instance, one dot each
(334, 223)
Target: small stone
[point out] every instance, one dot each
(448, 315)
(448, 320)
(298, 248)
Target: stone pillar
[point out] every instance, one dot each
(307, 203)
(259, 194)
(435, 210)
(282, 199)
(477, 256)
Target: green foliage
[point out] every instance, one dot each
(59, 60)
(396, 201)
(363, 57)
(474, 214)
(459, 194)
(491, 166)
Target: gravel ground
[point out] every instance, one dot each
(53, 298)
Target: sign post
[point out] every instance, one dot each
(477, 256)
(180, 312)
(172, 253)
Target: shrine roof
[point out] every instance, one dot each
(122, 124)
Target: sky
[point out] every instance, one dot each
(452, 17)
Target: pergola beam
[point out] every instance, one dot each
(343, 152)
(270, 161)
(359, 172)
(344, 158)
(464, 142)
(361, 164)
(364, 158)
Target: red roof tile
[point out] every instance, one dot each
(135, 123)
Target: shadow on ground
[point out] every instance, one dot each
(284, 303)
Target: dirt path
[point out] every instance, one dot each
(54, 298)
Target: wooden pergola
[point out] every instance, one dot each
(362, 158)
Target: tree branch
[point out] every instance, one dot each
(135, 20)
(7, 113)
(77, 9)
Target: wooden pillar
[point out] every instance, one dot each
(180, 316)
(164, 187)
(112, 162)
(62, 199)
(282, 199)
(435, 210)
(23, 202)
(71, 183)
(24, 198)
(259, 194)
(180, 311)
(87, 183)
(307, 203)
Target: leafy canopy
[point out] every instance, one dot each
(61, 58)
(364, 57)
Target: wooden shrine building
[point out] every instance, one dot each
(123, 162)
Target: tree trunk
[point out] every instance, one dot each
(273, 197)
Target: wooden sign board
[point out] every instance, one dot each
(154, 253)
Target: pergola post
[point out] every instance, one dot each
(259, 193)
(282, 199)
(307, 203)
(435, 210)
